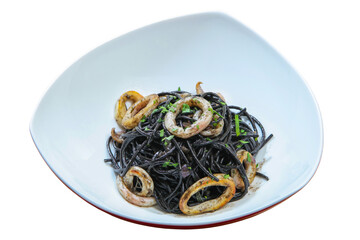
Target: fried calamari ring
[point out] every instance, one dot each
(210, 205)
(137, 111)
(131, 197)
(250, 168)
(147, 184)
(117, 135)
(197, 126)
(120, 106)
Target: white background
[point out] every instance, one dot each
(40, 39)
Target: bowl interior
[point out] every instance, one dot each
(74, 118)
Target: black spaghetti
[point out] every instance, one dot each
(186, 153)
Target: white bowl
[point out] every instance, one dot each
(74, 118)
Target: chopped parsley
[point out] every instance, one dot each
(215, 112)
(179, 89)
(147, 129)
(155, 110)
(172, 108)
(174, 130)
(222, 103)
(226, 145)
(186, 108)
(239, 146)
(208, 139)
(163, 109)
(257, 165)
(159, 120)
(226, 176)
(168, 138)
(189, 168)
(161, 132)
(155, 101)
(168, 163)
(197, 126)
(237, 125)
(242, 141)
(143, 119)
(248, 157)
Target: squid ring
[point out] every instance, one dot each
(250, 168)
(120, 106)
(213, 131)
(210, 131)
(197, 126)
(146, 181)
(131, 197)
(137, 111)
(210, 205)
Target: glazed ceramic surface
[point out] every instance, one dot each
(74, 118)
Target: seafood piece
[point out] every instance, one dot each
(199, 90)
(117, 135)
(210, 205)
(165, 97)
(131, 197)
(250, 168)
(147, 183)
(138, 110)
(215, 130)
(197, 126)
(210, 131)
(120, 106)
(221, 96)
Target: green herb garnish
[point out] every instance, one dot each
(179, 89)
(168, 138)
(215, 112)
(242, 141)
(147, 129)
(174, 130)
(172, 108)
(226, 145)
(226, 176)
(208, 139)
(168, 163)
(197, 126)
(248, 157)
(161, 132)
(155, 110)
(185, 108)
(143, 119)
(222, 103)
(237, 125)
